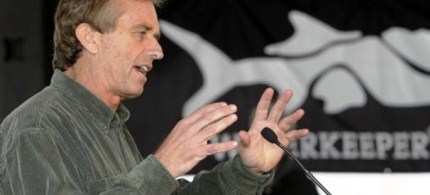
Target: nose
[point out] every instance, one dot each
(155, 51)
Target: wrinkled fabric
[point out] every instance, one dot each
(64, 140)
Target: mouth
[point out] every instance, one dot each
(143, 69)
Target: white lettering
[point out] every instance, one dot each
(308, 147)
(401, 146)
(384, 142)
(327, 145)
(420, 141)
(367, 146)
(350, 145)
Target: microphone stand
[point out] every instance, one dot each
(270, 136)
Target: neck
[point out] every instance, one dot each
(91, 83)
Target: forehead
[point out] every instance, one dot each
(138, 13)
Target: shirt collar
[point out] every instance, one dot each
(81, 96)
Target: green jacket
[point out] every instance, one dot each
(64, 140)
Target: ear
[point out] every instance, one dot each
(87, 37)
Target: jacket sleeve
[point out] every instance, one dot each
(149, 177)
(230, 177)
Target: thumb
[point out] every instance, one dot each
(245, 138)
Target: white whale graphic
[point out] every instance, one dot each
(344, 62)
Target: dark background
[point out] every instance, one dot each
(26, 53)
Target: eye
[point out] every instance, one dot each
(141, 34)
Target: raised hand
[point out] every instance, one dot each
(187, 144)
(259, 155)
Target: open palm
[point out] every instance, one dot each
(259, 155)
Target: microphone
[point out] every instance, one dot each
(271, 136)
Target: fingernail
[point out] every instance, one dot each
(233, 107)
(234, 117)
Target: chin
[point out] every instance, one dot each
(136, 94)
(133, 94)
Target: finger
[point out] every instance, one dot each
(245, 138)
(263, 105)
(296, 134)
(220, 147)
(211, 130)
(288, 121)
(278, 109)
(194, 116)
(214, 116)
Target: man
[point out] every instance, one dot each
(71, 138)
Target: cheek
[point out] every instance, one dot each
(111, 51)
(118, 52)
(113, 46)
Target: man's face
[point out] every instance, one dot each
(126, 54)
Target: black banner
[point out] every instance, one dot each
(360, 70)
